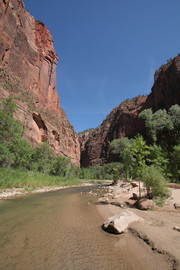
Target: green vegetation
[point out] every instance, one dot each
(169, 61)
(158, 157)
(132, 153)
(156, 123)
(163, 134)
(154, 181)
(21, 164)
(31, 179)
(152, 160)
(109, 171)
(86, 130)
(131, 100)
(122, 148)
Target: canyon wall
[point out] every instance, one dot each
(123, 121)
(28, 72)
(166, 89)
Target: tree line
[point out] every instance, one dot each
(15, 152)
(152, 158)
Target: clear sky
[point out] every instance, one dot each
(108, 50)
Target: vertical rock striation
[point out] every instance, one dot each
(28, 72)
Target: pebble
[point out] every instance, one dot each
(176, 228)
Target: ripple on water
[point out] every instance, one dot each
(57, 231)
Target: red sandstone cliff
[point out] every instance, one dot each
(166, 89)
(28, 72)
(123, 121)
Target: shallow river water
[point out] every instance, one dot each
(58, 231)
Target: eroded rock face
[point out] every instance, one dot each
(123, 121)
(28, 71)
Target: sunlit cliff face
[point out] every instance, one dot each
(28, 71)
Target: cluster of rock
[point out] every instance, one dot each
(124, 190)
(124, 195)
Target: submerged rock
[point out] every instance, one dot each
(119, 223)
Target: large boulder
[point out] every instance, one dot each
(119, 223)
(145, 204)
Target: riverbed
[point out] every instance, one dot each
(61, 230)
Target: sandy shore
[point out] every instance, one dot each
(12, 193)
(156, 233)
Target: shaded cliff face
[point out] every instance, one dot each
(28, 72)
(123, 121)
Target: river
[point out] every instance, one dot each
(58, 230)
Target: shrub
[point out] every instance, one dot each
(105, 172)
(154, 181)
(59, 166)
(175, 163)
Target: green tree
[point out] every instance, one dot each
(23, 152)
(175, 163)
(41, 158)
(10, 128)
(156, 122)
(158, 158)
(121, 147)
(9, 106)
(60, 166)
(7, 158)
(140, 151)
(174, 113)
(154, 182)
(10, 133)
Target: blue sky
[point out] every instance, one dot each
(108, 50)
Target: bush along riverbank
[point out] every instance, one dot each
(151, 162)
(22, 165)
(15, 182)
(24, 178)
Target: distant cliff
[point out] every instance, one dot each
(28, 72)
(123, 121)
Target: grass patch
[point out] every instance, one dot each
(21, 178)
(159, 201)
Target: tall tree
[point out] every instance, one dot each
(121, 147)
(156, 123)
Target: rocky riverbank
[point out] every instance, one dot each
(12, 193)
(158, 228)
